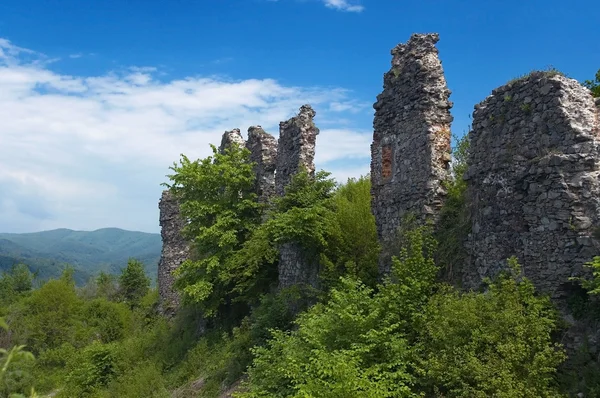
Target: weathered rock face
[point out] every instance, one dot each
(410, 153)
(297, 267)
(229, 137)
(296, 147)
(263, 151)
(175, 250)
(533, 181)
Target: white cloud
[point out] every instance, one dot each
(343, 5)
(87, 152)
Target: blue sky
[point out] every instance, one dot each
(98, 98)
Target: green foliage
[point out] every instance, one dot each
(145, 380)
(414, 337)
(47, 318)
(594, 85)
(592, 285)
(15, 284)
(133, 282)
(354, 250)
(305, 213)
(454, 224)
(15, 362)
(107, 285)
(217, 197)
(107, 321)
(493, 344)
(92, 369)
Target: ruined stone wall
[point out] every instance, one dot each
(296, 149)
(175, 250)
(263, 152)
(229, 137)
(410, 152)
(533, 181)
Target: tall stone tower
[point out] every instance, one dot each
(296, 147)
(410, 153)
(296, 150)
(263, 152)
(534, 181)
(175, 250)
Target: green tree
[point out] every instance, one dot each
(107, 285)
(48, 317)
(354, 248)
(15, 283)
(594, 85)
(454, 222)
(133, 282)
(217, 198)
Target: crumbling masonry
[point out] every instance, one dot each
(175, 250)
(297, 147)
(231, 137)
(410, 152)
(533, 181)
(263, 152)
(296, 151)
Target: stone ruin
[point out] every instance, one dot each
(263, 152)
(533, 181)
(175, 250)
(533, 176)
(533, 173)
(410, 153)
(296, 151)
(296, 146)
(229, 138)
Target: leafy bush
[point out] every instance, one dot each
(48, 317)
(145, 380)
(493, 344)
(414, 337)
(90, 371)
(106, 320)
(354, 248)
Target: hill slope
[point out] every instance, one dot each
(105, 249)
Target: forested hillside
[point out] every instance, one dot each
(108, 249)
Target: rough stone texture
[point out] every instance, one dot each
(263, 151)
(229, 137)
(533, 182)
(296, 147)
(175, 250)
(296, 267)
(410, 153)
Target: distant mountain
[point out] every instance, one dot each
(106, 249)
